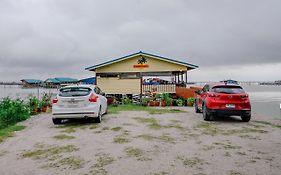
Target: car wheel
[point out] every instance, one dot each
(196, 107)
(56, 121)
(98, 119)
(206, 116)
(246, 117)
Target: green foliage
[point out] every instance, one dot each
(12, 111)
(179, 102)
(144, 101)
(33, 103)
(190, 101)
(167, 98)
(159, 96)
(126, 101)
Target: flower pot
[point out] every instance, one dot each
(157, 103)
(151, 103)
(162, 103)
(44, 109)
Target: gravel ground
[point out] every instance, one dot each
(144, 144)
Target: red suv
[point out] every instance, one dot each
(223, 99)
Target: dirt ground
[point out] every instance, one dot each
(144, 144)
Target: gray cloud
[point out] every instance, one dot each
(61, 37)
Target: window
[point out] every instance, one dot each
(74, 92)
(228, 89)
(129, 75)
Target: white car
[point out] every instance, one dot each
(79, 101)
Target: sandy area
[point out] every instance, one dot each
(143, 144)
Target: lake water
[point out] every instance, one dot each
(265, 100)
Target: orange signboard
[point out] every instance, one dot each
(141, 66)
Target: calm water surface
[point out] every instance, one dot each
(265, 100)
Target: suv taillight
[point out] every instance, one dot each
(93, 98)
(213, 95)
(55, 100)
(244, 97)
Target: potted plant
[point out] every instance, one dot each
(144, 101)
(179, 102)
(33, 104)
(169, 101)
(190, 101)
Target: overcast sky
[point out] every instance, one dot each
(238, 39)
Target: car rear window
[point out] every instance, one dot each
(228, 89)
(74, 92)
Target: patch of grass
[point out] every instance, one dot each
(152, 122)
(48, 152)
(2, 153)
(160, 173)
(116, 128)
(192, 162)
(150, 110)
(63, 137)
(227, 154)
(147, 137)
(233, 172)
(209, 128)
(241, 153)
(71, 162)
(105, 128)
(174, 125)
(122, 138)
(243, 130)
(208, 147)
(137, 153)
(68, 130)
(102, 161)
(227, 145)
(94, 126)
(268, 123)
(164, 138)
(9, 131)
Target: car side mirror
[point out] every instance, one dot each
(102, 93)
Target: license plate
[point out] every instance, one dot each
(72, 106)
(231, 106)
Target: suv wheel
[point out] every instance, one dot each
(98, 119)
(56, 121)
(196, 107)
(246, 117)
(206, 116)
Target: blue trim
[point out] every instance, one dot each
(137, 53)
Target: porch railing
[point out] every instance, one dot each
(160, 88)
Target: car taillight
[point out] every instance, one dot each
(55, 100)
(213, 95)
(93, 98)
(244, 97)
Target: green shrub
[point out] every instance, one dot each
(33, 104)
(179, 102)
(190, 101)
(12, 111)
(126, 101)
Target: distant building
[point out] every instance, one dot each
(91, 80)
(31, 82)
(59, 81)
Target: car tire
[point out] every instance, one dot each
(98, 119)
(206, 116)
(196, 107)
(246, 117)
(56, 121)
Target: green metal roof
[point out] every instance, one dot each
(32, 81)
(66, 80)
(144, 54)
(52, 80)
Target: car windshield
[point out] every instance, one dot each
(74, 92)
(228, 89)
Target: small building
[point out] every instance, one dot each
(31, 82)
(125, 75)
(90, 80)
(229, 81)
(59, 81)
